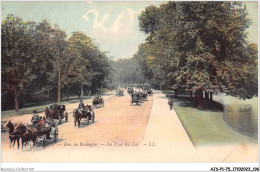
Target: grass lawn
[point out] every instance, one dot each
(206, 127)
(40, 108)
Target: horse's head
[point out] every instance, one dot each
(8, 124)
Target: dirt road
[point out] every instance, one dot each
(116, 124)
(124, 133)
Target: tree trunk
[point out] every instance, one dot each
(199, 97)
(81, 91)
(101, 89)
(58, 77)
(206, 95)
(15, 95)
(191, 96)
(67, 92)
(211, 96)
(16, 104)
(176, 93)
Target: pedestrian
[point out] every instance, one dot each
(170, 102)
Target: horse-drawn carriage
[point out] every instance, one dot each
(130, 90)
(50, 133)
(149, 92)
(98, 101)
(42, 131)
(56, 112)
(144, 95)
(87, 113)
(39, 134)
(120, 93)
(141, 95)
(135, 98)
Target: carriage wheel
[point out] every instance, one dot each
(29, 145)
(56, 135)
(59, 120)
(87, 120)
(44, 140)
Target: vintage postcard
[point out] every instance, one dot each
(129, 81)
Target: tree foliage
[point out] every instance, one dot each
(36, 57)
(17, 56)
(201, 46)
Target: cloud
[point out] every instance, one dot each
(98, 24)
(116, 33)
(121, 27)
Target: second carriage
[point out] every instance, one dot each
(120, 93)
(98, 101)
(57, 112)
(86, 113)
(130, 90)
(135, 98)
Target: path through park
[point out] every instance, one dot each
(124, 133)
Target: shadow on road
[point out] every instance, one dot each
(83, 124)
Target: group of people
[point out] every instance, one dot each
(36, 119)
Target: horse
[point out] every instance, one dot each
(77, 117)
(20, 129)
(30, 132)
(29, 135)
(12, 136)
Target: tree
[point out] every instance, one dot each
(40, 63)
(59, 42)
(44, 68)
(203, 45)
(17, 56)
(73, 69)
(81, 43)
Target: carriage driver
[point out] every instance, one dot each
(35, 118)
(81, 105)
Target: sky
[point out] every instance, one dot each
(113, 25)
